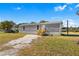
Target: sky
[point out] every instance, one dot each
(35, 12)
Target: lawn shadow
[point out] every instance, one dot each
(74, 35)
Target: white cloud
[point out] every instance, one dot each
(70, 8)
(71, 23)
(60, 8)
(18, 8)
(77, 6)
(69, 3)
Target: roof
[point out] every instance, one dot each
(43, 23)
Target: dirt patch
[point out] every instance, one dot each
(11, 48)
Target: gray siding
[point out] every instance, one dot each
(30, 29)
(52, 28)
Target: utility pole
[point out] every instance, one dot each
(67, 27)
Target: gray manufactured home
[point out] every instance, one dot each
(53, 28)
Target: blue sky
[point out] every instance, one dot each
(28, 12)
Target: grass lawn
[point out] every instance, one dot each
(53, 46)
(6, 37)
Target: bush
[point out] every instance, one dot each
(16, 31)
(41, 32)
(11, 31)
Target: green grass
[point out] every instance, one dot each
(6, 37)
(53, 46)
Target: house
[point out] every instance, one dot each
(51, 27)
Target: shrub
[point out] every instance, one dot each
(41, 32)
(11, 31)
(16, 31)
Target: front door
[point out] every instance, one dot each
(37, 27)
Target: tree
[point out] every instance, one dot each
(43, 21)
(33, 22)
(6, 25)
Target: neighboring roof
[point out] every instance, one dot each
(43, 23)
